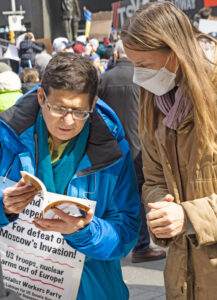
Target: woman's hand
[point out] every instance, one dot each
(17, 197)
(166, 219)
(66, 224)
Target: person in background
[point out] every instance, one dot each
(4, 67)
(42, 59)
(94, 44)
(59, 45)
(29, 79)
(96, 63)
(10, 89)
(177, 127)
(91, 47)
(106, 42)
(122, 95)
(196, 20)
(27, 51)
(80, 149)
(82, 39)
(205, 13)
(79, 48)
(105, 58)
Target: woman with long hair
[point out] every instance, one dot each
(175, 66)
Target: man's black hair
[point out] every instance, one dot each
(71, 72)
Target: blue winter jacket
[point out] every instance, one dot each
(105, 174)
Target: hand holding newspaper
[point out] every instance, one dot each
(37, 262)
(70, 205)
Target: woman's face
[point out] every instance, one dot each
(155, 59)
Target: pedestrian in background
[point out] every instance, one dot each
(42, 59)
(27, 51)
(177, 123)
(10, 89)
(118, 91)
(29, 78)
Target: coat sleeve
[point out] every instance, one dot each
(5, 219)
(202, 213)
(36, 47)
(155, 187)
(114, 234)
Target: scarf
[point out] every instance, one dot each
(56, 176)
(175, 105)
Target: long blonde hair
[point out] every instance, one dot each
(162, 25)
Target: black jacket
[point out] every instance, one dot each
(27, 52)
(118, 90)
(28, 86)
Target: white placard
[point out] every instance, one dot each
(37, 264)
(15, 22)
(12, 52)
(207, 26)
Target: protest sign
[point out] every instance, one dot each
(47, 43)
(207, 26)
(36, 264)
(101, 25)
(12, 52)
(125, 9)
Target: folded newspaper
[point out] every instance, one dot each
(70, 205)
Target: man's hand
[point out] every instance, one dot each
(17, 197)
(166, 219)
(66, 224)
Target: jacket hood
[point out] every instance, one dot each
(111, 119)
(105, 130)
(26, 87)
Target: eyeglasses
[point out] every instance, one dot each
(59, 111)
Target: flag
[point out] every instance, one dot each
(87, 17)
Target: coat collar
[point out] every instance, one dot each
(102, 147)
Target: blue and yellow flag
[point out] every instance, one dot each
(87, 17)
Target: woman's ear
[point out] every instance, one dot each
(40, 95)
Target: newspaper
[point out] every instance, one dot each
(38, 265)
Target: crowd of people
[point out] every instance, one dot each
(137, 116)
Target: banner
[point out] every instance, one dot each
(126, 8)
(101, 25)
(209, 3)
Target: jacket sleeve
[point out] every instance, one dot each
(202, 214)
(113, 235)
(4, 219)
(36, 47)
(155, 187)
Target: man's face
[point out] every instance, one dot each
(64, 128)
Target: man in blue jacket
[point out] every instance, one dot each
(75, 145)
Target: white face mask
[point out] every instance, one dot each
(158, 82)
